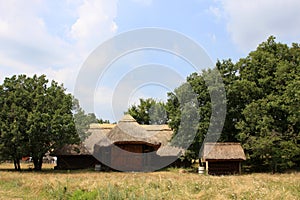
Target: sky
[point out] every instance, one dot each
(56, 37)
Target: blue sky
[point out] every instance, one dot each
(55, 37)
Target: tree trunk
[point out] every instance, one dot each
(274, 167)
(37, 162)
(17, 165)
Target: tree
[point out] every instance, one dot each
(13, 115)
(269, 127)
(149, 111)
(263, 109)
(103, 121)
(189, 110)
(36, 117)
(82, 120)
(182, 108)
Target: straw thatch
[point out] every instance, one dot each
(98, 133)
(70, 150)
(223, 151)
(161, 133)
(164, 133)
(170, 151)
(128, 130)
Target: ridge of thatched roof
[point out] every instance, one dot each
(155, 127)
(127, 118)
(223, 151)
(101, 126)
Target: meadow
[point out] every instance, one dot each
(168, 184)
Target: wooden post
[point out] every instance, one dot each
(206, 166)
(240, 167)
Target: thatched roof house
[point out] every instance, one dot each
(127, 145)
(130, 146)
(223, 158)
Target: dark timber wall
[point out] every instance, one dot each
(76, 162)
(223, 167)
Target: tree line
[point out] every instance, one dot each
(262, 111)
(262, 106)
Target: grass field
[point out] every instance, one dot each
(170, 184)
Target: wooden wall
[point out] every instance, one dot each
(223, 167)
(76, 162)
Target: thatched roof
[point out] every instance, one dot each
(128, 130)
(98, 132)
(68, 150)
(164, 133)
(161, 133)
(170, 151)
(223, 151)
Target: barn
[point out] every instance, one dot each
(125, 146)
(222, 158)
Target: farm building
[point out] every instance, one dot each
(129, 146)
(223, 158)
(74, 157)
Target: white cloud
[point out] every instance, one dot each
(62, 76)
(23, 35)
(251, 22)
(95, 23)
(29, 44)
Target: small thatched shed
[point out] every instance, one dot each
(223, 158)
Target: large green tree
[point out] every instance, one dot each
(36, 117)
(269, 126)
(263, 109)
(194, 109)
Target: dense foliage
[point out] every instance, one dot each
(263, 106)
(270, 124)
(36, 117)
(149, 111)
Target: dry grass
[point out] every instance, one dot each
(173, 184)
